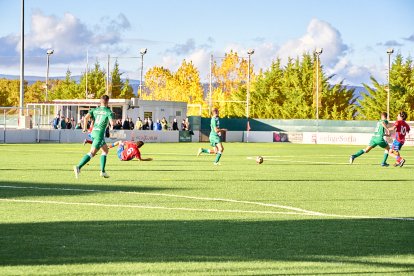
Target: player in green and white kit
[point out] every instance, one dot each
(101, 116)
(215, 138)
(381, 130)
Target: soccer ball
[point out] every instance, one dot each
(259, 160)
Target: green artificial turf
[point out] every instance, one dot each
(304, 211)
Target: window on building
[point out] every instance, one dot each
(117, 110)
(148, 114)
(178, 113)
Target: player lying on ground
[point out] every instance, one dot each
(100, 116)
(215, 138)
(401, 128)
(128, 150)
(376, 140)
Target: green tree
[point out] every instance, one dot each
(401, 92)
(117, 85)
(96, 83)
(127, 91)
(66, 89)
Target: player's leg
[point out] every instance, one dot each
(395, 152)
(213, 142)
(203, 150)
(361, 152)
(120, 150)
(88, 140)
(85, 159)
(386, 151)
(220, 150)
(103, 160)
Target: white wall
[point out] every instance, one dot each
(77, 136)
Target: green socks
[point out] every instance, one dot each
(205, 150)
(359, 153)
(218, 156)
(84, 160)
(103, 163)
(385, 158)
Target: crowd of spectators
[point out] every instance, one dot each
(61, 122)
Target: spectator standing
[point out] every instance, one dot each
(150, 124)
(62, 122)
(118, 124)
(175, 124)
(164, 124)
(158, 126)
(125, 125)
(138, 124)
(145, 125)
(131, 124)
(187, 124)
(68, 123)
(183, 125)
(56, 121)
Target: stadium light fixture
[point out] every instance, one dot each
(48, 54)
(318, 52)
(143, 51)
(390, 51)
(250, 52)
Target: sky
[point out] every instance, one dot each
(354, 34)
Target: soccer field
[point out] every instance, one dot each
(305, 210)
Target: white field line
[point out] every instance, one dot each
(91, 204)
(149, 207)
(301, 212)
(167, 195)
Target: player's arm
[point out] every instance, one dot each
(111, 123)
(85, 122)
(387, 131)
(114, 144)
(145, 159)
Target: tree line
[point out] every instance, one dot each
(281, 91)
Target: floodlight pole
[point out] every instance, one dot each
(107, 77)
(21, 101)
(86, 73)
(250, 53)
(318, 52)
(390, 51)
(142, 52)
(210, 100)
(48, 54)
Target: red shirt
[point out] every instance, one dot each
(401, 129)
(130, 151)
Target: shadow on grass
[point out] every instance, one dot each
(13, 189)
(209, 240)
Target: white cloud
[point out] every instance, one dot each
(68, 36)
(319, 34)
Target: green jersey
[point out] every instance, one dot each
(214, 137)
(215, 123)
(379, 129)
(100, 116)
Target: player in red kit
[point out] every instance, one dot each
(401, 129)
(129, 150)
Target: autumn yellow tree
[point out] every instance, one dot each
(156, 82)
(229, 78)
(183, 85)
